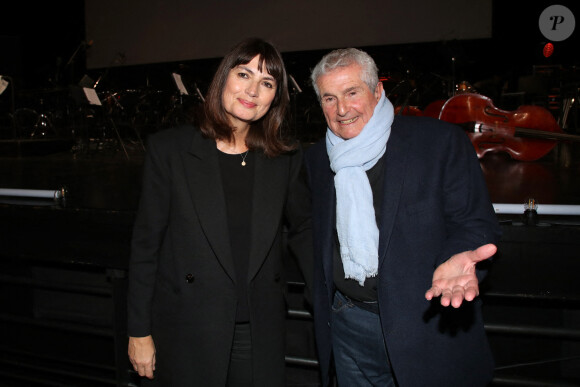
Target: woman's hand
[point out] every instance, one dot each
(142, 355)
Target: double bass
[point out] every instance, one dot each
(526, 134)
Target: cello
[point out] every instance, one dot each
(526, 134)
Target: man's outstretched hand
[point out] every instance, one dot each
(455, 280)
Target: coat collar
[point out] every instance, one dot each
(201, 167)
(395, 170)
(270, 184)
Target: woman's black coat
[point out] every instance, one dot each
(182, 284)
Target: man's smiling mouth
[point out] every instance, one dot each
(346, 122)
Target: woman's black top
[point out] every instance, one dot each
(238, 183)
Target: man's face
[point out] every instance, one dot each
(347, 102)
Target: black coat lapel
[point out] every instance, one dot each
(324, 206)
(205, 185)
(393, 186)
(269, 193)
(328, 216)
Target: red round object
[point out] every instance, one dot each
(548, 50)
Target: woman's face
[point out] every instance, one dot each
(248, 93)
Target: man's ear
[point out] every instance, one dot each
(379, 91)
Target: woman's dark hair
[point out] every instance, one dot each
(266, 134)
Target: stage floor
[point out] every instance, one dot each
(109, 177)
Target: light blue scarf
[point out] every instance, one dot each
(358, 233)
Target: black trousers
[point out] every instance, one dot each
(240, 371)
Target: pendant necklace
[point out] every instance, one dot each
(244, 155)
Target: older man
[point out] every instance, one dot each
(401, 216)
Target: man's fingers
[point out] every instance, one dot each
(446, 297)
(432, 293)
(484, 252)
(471, 290)
(458, 295)
(455, 296)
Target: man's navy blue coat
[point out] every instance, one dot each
(435, 204)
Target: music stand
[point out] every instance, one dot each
(5, 82)
(85, 95)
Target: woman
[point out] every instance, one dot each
(206, 277)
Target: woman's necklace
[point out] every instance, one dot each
(230, 149)
(244, 155)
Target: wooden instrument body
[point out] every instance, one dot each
(527, 133)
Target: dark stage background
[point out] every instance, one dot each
(129, 50)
